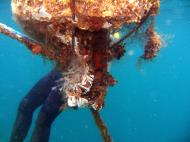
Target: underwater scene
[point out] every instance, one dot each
(149, 103)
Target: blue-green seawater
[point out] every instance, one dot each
(148, 104)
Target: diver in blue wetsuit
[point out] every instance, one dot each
(52, 105)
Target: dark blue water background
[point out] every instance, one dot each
(151, 104)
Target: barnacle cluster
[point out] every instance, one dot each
(77, 35)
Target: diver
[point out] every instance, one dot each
(44, 94)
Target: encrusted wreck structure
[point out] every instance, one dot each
(78, 36)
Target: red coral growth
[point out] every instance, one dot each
(36, 49)
(95, 23)
(115, 52)
(110, 80)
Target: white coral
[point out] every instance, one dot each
(74, 101)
